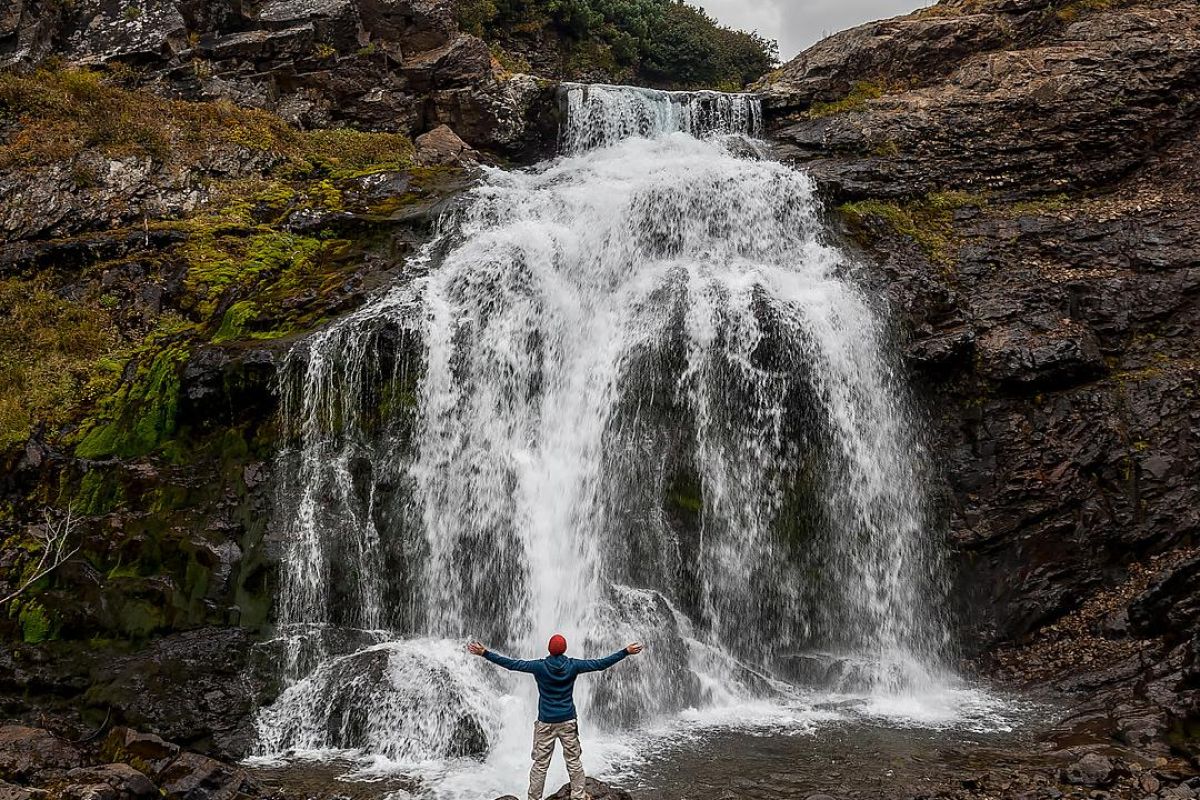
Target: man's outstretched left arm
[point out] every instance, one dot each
(598, 664)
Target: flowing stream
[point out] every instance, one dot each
(634, 393)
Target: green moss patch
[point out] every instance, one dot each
(35, 622)
(928, 222)
(141, 415)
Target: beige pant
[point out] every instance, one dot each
(544, 735)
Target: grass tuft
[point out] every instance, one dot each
(855, 100)
(53, 350)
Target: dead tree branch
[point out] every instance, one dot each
(53, 538)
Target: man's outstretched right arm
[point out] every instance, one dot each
(502, 661)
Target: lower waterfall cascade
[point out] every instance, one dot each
(633, 393)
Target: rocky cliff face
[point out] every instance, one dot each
(1025, 173)
(387, 65)
(158, 257)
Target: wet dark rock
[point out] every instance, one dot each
(28, 754)
(598, 790)
(222, 386)
(195, 777)
(199, 688)
(1171, 604)
(116, 781)
(151, 753)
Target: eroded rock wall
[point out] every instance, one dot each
(1025, 174)
(385, 65)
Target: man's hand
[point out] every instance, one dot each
(477, 649)
(634, 648)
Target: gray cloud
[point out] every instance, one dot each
(796, 24)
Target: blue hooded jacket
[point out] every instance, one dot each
(555, 676)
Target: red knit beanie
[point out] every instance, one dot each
(558, 644)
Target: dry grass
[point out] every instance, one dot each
(51, 350)
(62, 113)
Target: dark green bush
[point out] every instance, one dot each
(661, 42)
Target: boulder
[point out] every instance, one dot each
(418, 25)
(1091, 770)
(516, 115)
(27, 30)
(441, 146)
(291, 42)
(890, 50)
(392, 699)
(141, 29)
(461, 62)
(595, 789)
(192, 776)
(929, 101)
(28, 754)
(107, 782)
(1058, 354)
(147, 752)
(335, 22)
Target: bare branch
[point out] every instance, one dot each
(53, 541)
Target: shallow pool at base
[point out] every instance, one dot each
(815, 742)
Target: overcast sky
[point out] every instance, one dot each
(798, 23)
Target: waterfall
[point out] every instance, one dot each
(599, 115)
(632, 393)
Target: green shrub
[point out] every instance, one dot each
(665, 42)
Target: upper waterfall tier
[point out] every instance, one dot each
(598, 115)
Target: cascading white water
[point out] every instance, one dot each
(635, 395)
(599, 115)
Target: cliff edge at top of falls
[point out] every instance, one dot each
(1026, 174)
